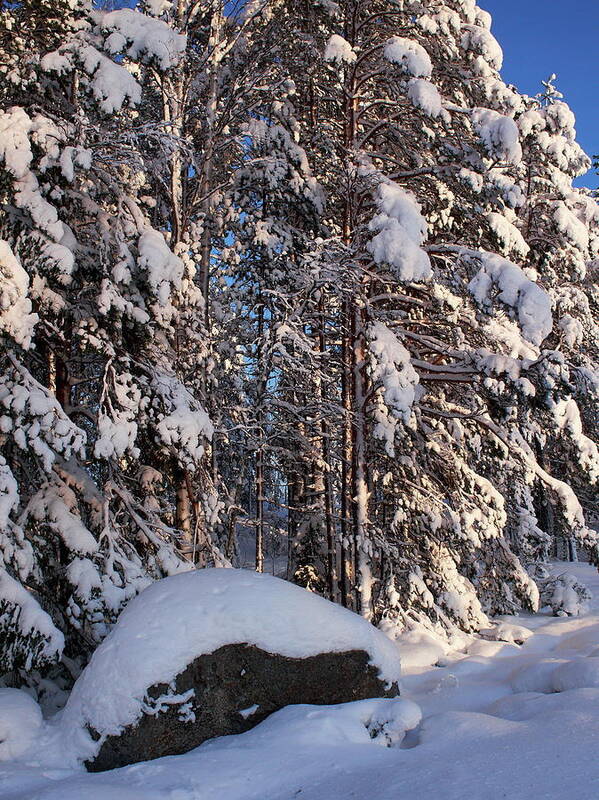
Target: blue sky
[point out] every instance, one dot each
(539, 37)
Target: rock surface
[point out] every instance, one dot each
(230, 691)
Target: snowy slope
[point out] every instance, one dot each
(500, 721)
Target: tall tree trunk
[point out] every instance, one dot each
(360, 488)
(326, 471)
(260, 452)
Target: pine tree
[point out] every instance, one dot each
(98, 420)
(417, 146)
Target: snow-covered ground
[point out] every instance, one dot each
(499, 721)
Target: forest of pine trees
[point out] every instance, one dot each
(302, 277)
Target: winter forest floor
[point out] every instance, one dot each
(499, 721)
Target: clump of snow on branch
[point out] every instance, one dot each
(163, 269)
(9, 493)
(122, 32)
(142, 38)
(181, 422)
(567, 416)
(569, 224)
(16, 317)
(157, 7)
(392, 373)
(409, 55)
(401, 230)
(499, 135)
(572, 330)
(425, 95)
(339, 50)
(20, 610)
(18, 131)
(530, 302)
(34, 419)
(481, 41)
(111, 83)
(56, 504)
(117, 422)
(508, 234)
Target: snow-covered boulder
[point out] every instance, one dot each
(213, 652)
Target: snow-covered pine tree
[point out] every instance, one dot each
(414, 138)
(96, 412)
(560, 224)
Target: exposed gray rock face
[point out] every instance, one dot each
(230, 691)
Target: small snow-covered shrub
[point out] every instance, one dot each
(20, 721)
(506, 632)
(565, 595)
(391, 720)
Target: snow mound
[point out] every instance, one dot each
(558, 675)
(180, 618)
(507, 632)
(379, 721)
(536, 676)
(583, 642)
(583, 673)
(565, 595)
(20, 722)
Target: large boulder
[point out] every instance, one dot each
(213, 652)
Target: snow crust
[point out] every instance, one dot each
(177, 619)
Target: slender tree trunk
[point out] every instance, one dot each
(208, 161)
(345, 489)
(260, 452)
(326, 473)
(360, 488)
(183, 511)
